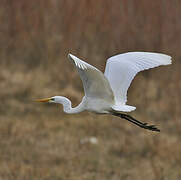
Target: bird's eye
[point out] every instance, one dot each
(52, 99)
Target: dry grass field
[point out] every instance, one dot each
(39, 141)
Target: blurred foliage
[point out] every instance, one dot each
(36, 37)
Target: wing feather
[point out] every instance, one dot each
(121, 69)
(94, 82)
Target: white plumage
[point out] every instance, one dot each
(121, 69)
(107, 93)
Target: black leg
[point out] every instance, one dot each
(138, 123)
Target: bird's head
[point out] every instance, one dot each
(54, 99)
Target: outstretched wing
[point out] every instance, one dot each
(121, 69)
(94, 82)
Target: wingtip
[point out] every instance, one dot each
(169, 60)
(72, 57)
(164, 59)
(69, 55)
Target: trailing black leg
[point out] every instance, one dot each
(138, 123)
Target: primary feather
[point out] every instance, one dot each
(121, 69)
(94, 82)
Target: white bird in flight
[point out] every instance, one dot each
(107, 93)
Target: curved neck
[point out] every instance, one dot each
(67, 105)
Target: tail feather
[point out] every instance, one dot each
(123, 108)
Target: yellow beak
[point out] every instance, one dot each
(43, 100)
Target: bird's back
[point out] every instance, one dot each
(97, 105)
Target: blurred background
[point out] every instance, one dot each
(39, 141)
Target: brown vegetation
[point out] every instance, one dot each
(41, 142)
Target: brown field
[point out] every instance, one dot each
(39, 141)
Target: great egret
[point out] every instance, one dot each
(107, 93)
